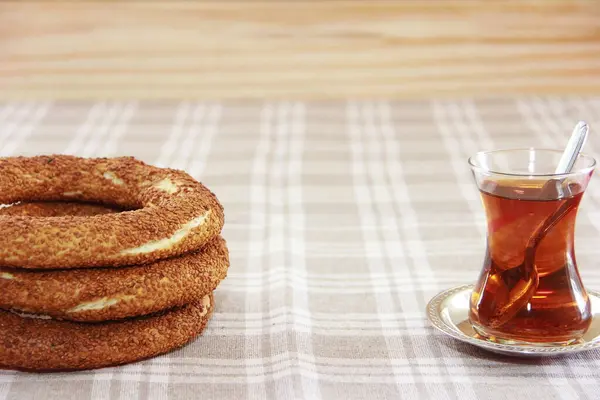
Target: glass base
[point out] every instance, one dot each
(515, 341)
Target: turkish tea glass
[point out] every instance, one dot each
(529, 290)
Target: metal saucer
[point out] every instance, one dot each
(449, 312)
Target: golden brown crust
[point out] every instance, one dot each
(47, 345)
(102, 294)
(173, 205)
(109, 293)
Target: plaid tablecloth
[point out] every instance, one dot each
(343, 220)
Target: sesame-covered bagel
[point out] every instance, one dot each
(169, 214)
(102, 294)
(35, 344)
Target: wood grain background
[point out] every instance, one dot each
(297, 49)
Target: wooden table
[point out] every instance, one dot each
(297, 49)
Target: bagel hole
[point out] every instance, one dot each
(60, 208)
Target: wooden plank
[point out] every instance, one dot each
(297, 49)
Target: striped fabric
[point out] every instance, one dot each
(343, 220)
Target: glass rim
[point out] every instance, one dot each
(579, 171)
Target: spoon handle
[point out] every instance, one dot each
(574, 146)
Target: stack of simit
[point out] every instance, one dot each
(104, 261)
